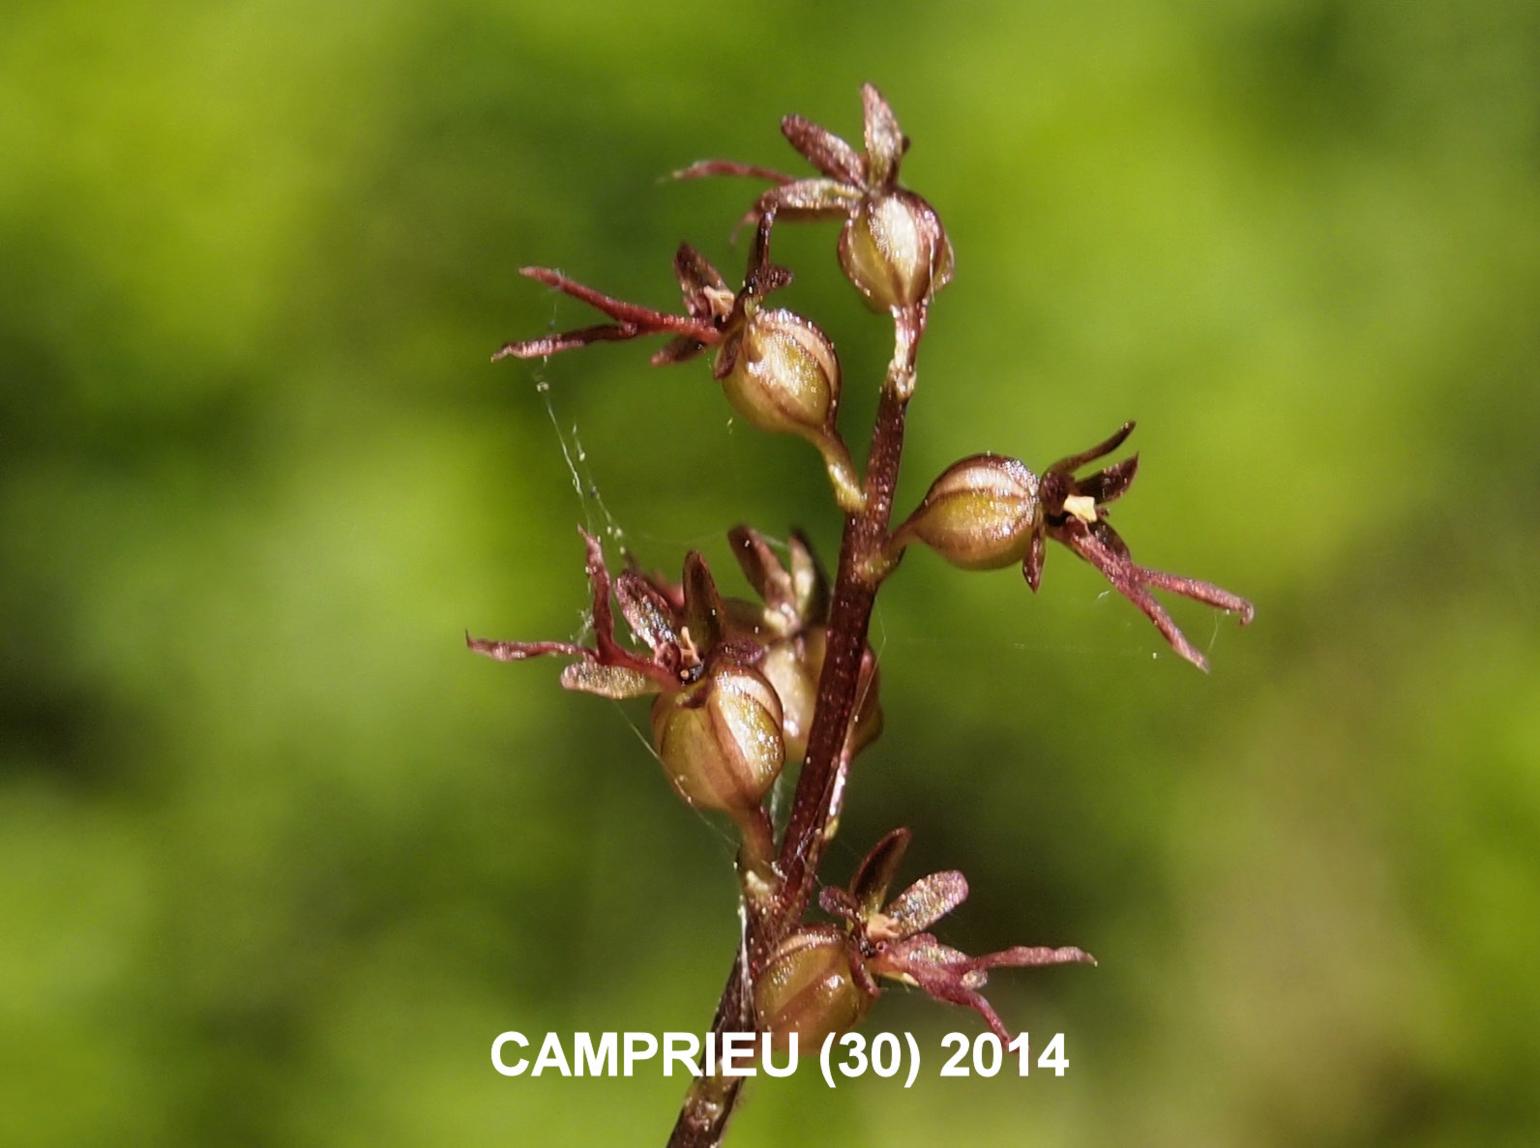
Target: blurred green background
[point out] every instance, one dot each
(278, 858)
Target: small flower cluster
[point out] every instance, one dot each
(892, 247)
(777, 369)
(987, 511)
(823, 978)
(734, 681)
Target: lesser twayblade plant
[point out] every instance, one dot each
(741, 687)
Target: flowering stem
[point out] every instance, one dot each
(710, 1101)
(855, 592)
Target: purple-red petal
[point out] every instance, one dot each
(824, 150)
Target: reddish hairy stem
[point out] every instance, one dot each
(710, 1101)
(855, 592)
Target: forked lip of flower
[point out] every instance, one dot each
(891, 942)
(630, 322)
(950, 976)
(1074, 515)
(712, 309)
(607, 668)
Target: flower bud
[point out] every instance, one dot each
(981, 513)
(780, 373)
(895, 250)
(789, 669)
(809, 987)
(720, 740)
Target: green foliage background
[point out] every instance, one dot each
(278, 857)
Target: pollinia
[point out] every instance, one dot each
(742, 688)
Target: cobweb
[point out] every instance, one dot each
(599, 520)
